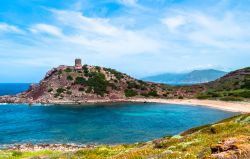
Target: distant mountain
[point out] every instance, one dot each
(194, 77)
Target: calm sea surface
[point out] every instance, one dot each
(100, 124)
(13, 88)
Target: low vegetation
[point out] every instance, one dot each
(233, 87)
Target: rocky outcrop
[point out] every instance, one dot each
(51, 147)
(232, 148)
(65, 84)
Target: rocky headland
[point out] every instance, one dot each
(81, 84)
(90, 84)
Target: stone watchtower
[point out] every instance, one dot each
(78, 64)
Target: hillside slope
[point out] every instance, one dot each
(233, 86)
(194, 77)
(65, 84)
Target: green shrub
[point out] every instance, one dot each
(68, 70)
(246, 85)
(60, 90)
(70, 78)
(68, 87)
(85, 69)
(117, 74)
(202, 96)
(144, 94)
(130, 93)
(98, 82)
(50, 89)
(244, 94)
(231, 99)
(81, 89)
(17, 154)
(153, 93)
(59, 72)
(142, 82)
(98, 68)
(86, 72)
(69, 92)
(56, 95)
(80, 80)
(132, 85)
(89, 90)
(214, 94)
(113, 86)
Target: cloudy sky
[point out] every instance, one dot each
(138, 37)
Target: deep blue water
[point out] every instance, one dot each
(13, 88)
(100, 124)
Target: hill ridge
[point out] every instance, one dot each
(192, 77)
(66, 84)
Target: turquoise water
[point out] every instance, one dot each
(13, 88)
(100, 124)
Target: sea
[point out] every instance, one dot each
(97, 124)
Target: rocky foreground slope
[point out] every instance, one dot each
(228, 139)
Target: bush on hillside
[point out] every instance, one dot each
(153, 93)
(231, 99)
(117, 74)
(80, 80)
(50, 89)
(202, 96)
(246, 85)
(69, 77)
(68, 70)
(60, 90)
(130, 93)
(98, 82)
(98, 68)
(244, 94)
(132, 85)
(81, 89)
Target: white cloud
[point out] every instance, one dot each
(225, 31)
(47, 29)
(174, 22)
(101, 36)
(136, 41)
(128, 2)
(10, 28)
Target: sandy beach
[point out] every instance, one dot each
(243, 107)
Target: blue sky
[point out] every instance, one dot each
(138, 37)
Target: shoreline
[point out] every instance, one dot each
(231, 106)
(241, 107)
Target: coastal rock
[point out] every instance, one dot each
(53, 147)
(232, 148)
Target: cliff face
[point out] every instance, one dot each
(70, 85)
